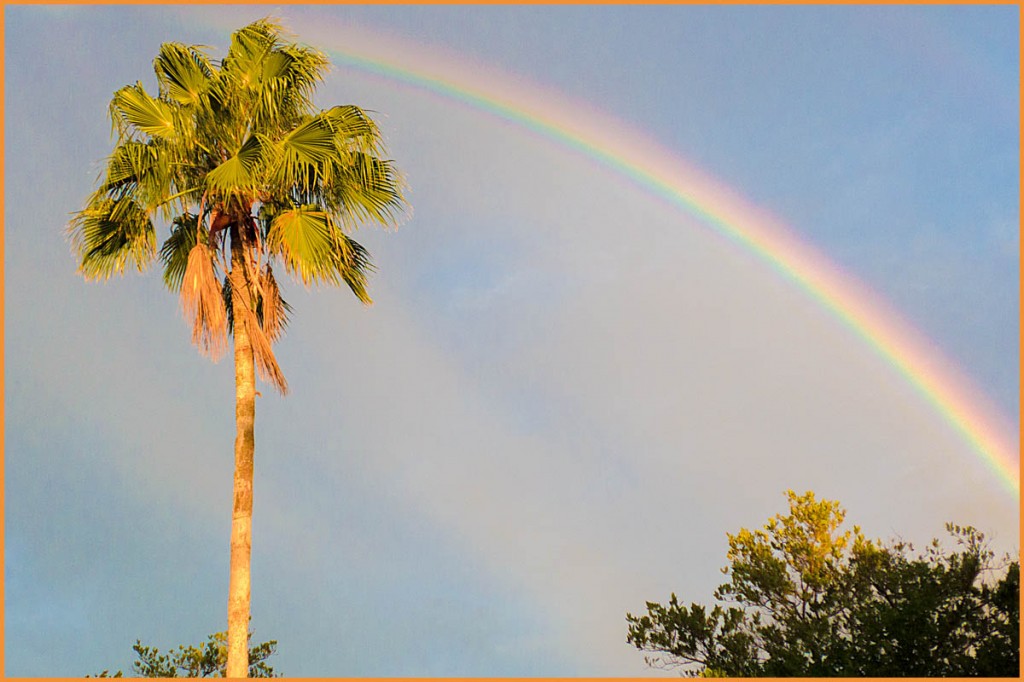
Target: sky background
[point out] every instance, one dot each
(567, 392)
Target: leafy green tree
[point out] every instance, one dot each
(940, 613)
(807, 599)
(233, 157)
(208, 660)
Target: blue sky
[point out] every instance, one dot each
(567, 391)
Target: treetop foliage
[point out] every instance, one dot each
(207, 660)
(232, 155)
(804, 598)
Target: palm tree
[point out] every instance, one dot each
(233, 157)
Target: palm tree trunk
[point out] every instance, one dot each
(245, 444)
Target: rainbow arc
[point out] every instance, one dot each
(642, 161)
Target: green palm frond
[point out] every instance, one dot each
(238, 175)
(134, 171)
(111, 234)
(296, 70)
(184, 73)
(269, 84)
(127, 165)
(331, 159)
(140, 170)
(132, 109)
(275, 66)
(289, 79)
(353, 266)
(314, 248)
(303, 239)
(299, 161)
(311, 142)
(225, 292)
(249, 47)
(353, 129)
(367, 189)
(175, 249)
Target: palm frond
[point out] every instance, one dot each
(332, 160)
(250, 45)
(286, 86)
(276, 65)
(178, 246)
(202, 302)
(353, 265)
(283, 314)
(295, 71)
(297, 161)
(367, 189)
(130, 162)
(310, 143)
(273, 310)
(133, 109)
(141, 171)
(314, 248)
(271, 83)
(111, 234)
(262, 349)
(228, 307)
(238, 175)
(353, 129)
(260, 337)
(263, 354)
(303, 239)
(184, 73)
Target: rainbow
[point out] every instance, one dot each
(641, 160)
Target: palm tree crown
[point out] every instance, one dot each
(232, 155)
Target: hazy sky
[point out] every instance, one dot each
(567, 392)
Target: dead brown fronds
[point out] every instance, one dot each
(273, 307)
(202, 303)
(262, 350)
